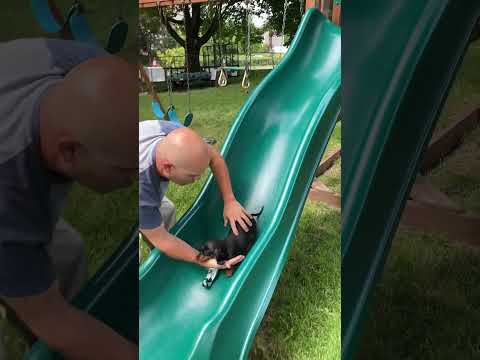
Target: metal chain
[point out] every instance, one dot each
(222, 78)
(220, 33)
(300, 3)
(248, 54)
(169, 85)
(168, 72)
(285, 6)
(187, 64)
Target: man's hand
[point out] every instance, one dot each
(212, 263)
(71, 332)
(233, 212)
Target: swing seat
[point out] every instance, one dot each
(117, 37)
(157, 111)
(188, 119)
(172, 114)
(44, 16)
(79, 27)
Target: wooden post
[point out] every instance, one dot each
(336, 13)
(326, 8)
(313, 4)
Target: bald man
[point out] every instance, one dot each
(170, 152)
(68, 112)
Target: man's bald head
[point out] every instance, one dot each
(96, 107)
(186, 151)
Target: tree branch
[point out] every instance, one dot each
(211, 30)
(175, 21)
(196, 19)
(230, 4)
(170, 30)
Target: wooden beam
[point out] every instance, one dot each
(312, 4)
(449, 139)
(151, 89)
(321, 193)
(424, 191)
(164, 3)
(327, 162)
(419, 216)
(336, 14)
(457, 227)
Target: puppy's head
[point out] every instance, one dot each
(211, 249)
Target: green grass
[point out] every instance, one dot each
(427, 302)
(465, 89)
(303, 318)
(427, 305)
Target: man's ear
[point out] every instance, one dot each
(166, 167)
(67, 152)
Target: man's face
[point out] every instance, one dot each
(182, 176)
(101, 173)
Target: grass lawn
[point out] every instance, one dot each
(427, 303)
(303, 318)
(103, 220)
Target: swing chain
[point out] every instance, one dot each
(186, 8)
(168, 72)
(246, 80)
(285, 6)
(222, 78)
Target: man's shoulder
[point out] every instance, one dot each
(157, 127)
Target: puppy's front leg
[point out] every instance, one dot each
(229, 272)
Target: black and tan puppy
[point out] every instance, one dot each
(233, 245)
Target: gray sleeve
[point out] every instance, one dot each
(150, 217)
(24, 270)
(25, 228)
(66, 54)
(149, 200)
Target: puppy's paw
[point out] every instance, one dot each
(229, 272)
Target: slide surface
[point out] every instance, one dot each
(396, 80)
(111, 296)
(272, 151)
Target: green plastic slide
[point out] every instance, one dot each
(399, 61)
(272, 151)
(111, 296)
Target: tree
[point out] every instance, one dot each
(274, 10)
(192, 26)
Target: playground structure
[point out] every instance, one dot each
(255, 280)
(389, 141)
(224, 57)
(226, 316)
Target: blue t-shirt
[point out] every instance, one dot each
(31, 196)
(152, 187)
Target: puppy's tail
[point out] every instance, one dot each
(258, 213)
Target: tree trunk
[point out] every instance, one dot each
(192, 42)
(193, 56)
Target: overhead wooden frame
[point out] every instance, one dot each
(165, 3)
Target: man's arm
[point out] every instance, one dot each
(178, 249)
(73, 333)
(233, 211)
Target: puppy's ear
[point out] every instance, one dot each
(201, 254)
(202, 258)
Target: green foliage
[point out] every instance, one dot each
(274, 9)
